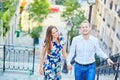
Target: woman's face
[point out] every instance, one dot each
(55, 33)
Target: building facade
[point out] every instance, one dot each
(106, 17)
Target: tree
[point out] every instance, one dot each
(70, 5)
(6, 15)
(38, 10)
(74, 14)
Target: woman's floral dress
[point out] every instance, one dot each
(52, 64)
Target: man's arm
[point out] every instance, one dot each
(100, 53)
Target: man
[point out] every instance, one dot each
(85, 46)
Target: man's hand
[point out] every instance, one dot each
(109, 61)
(69, 67)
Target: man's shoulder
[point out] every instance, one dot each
(77, 37)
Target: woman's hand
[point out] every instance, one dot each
(41, 70)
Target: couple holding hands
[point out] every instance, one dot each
(85, 46)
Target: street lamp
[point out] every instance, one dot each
(86, 2)
(69, 25)
(91, 2)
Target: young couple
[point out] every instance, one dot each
(85, 46)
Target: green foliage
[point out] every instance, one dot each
(71, 5)
(39, 9)
(35, 33)
(7, 4)
(7, 13)
(1, 14)
(74, 14)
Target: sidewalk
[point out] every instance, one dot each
(15, 75)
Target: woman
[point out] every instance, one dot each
(54, 45)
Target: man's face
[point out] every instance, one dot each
(85, 29)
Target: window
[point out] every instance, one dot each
(104, 1)
(115, 3)
(104, 14)
(108, 17)
(118, 12)
(118, 31)
(111, 4)
(118, 35)
(115, 7)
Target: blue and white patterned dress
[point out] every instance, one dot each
(52, 65)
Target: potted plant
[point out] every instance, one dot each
(35, 34)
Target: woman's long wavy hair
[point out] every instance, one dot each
(49, 37)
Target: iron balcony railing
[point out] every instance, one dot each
(15, 57)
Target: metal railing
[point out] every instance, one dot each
(17, 57)
(109, 69)
(113, 70)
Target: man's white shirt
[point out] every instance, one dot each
(85, 50)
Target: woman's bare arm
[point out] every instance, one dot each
(64, 52)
